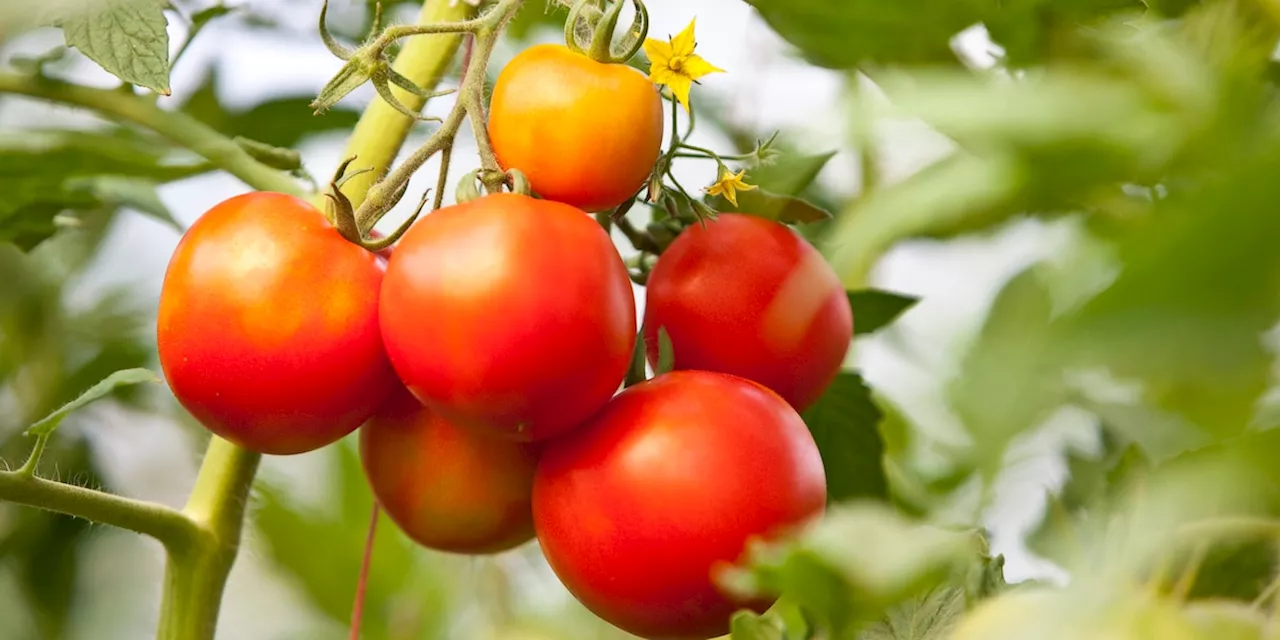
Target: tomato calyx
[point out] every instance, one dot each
(589, 30)
(342, 214)
(513, 179)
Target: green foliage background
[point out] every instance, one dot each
(1148, 132)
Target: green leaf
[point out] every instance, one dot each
(745, 625)
(844, 423)
(283, 122)
(874, 309)
(840, 35)
(666, 353)
(127, 38)
(121, 191)
(930, 617)
(47, 424)
(841, 585)
(790, 174)
(771, 206)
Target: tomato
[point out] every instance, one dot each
(636, 509)
(448, 488)
(584, 132)
(268, 326)
(748, 296)
(509, 313)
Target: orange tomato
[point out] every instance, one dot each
(585, 133)
(448, 488)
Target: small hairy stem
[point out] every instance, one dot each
(167, 525)
(382, 129)
(178, 127)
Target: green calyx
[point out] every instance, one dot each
(469, 186)
(589, 30)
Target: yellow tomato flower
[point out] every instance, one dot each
(729, 185)
(675, 65)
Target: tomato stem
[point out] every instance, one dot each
(362, 584)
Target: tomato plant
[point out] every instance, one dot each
(628, 520)
(750, 297)
(268, 326)
(449, 488)
(509, 313)
(586, 133)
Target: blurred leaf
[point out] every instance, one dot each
(745, 625)
(666, 353)
(840, 35)
(47, 424)
(537, 15)
(790, 174)
(322, 550)
(1238, 570)
(874, 309)
(1009, 379)
(1033, 30)
(55, 171)
(844, 423)
(771, 206)
(126, 37)
(282, 122)
(841, 585)
(930, 617)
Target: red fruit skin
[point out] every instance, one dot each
(448, 488)
(510, 314)
(748, 296)
(268, 326)
(636, 509)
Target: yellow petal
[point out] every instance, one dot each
(679, 85)
(659, 52)
(731, 195)
(683, 43)
(660, 75)
(714, 190)
(696, 67)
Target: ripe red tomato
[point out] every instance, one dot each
(268, 326)
(584, 132)
(750, 297)
(509, 313)
(670, 479)
(449, 488)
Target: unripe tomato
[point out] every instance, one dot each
(750, 297)
(509, 313)
(268, 326)
(585, 133)
(448, 488)
(636, 509)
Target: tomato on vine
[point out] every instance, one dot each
(448, 488)
(748, 296)
(268, 326)
(637, 509)
(509, 313)
(586, 133)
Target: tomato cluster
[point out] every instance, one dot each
(485, 356)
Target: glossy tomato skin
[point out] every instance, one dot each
(748, 296)
(448, 488)
(585, 133)
(636, 509)
(268, 326)
(509, 313)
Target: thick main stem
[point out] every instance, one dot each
(382, 129)
(196, 573)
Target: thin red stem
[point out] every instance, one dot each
(357, 607)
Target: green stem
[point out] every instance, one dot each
(178, 127)
(158, 521)
(196, 574)
(382, 129)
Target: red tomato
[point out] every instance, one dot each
(268, 326)
(584, 132)
(668, 481)
(448, 488)
(509, 313)
(750, 297)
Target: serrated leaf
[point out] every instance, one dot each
(874, 309)
(841, 35)
(126, 37)
(930, 617)
(844, 423)
(47, 424)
